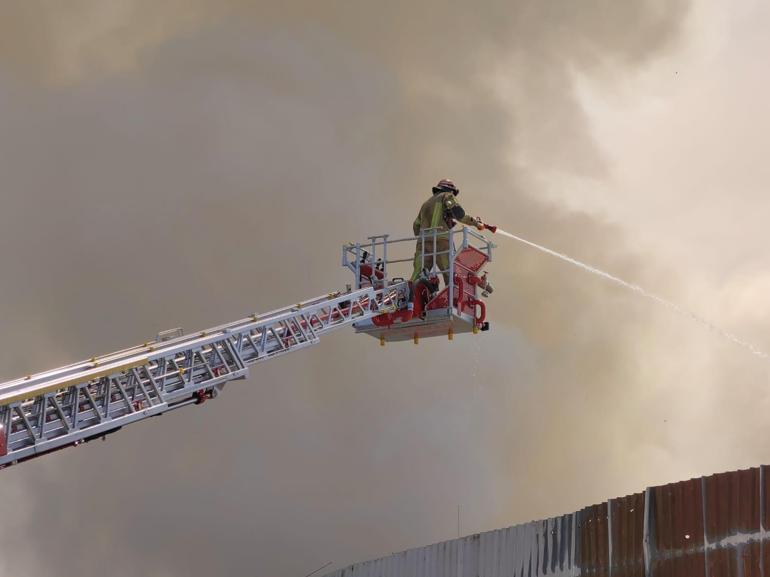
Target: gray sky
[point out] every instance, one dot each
(188, 163)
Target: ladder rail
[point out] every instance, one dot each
(79, 367)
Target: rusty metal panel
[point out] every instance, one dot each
(627, 528)
(764, 549)
(732, 523)
(678, 530)
(751, 559)
(594, 541)
(732, 504)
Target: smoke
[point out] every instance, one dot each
(189, 163)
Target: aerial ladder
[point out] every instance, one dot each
(74, 404)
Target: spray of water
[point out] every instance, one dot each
(639, 290)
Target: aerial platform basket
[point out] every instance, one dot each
(428, 313)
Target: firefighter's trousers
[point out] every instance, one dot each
(424, 259)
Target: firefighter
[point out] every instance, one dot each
(440, 212)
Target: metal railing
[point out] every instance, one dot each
(383, 256)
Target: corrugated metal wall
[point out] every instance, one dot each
(709, 527)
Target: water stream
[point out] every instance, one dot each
(639, 290)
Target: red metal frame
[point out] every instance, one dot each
(468, 262)
(371, 275)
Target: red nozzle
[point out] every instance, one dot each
(491, 227)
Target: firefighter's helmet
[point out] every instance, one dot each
(446, 185)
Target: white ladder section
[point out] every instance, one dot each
(87, 400)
